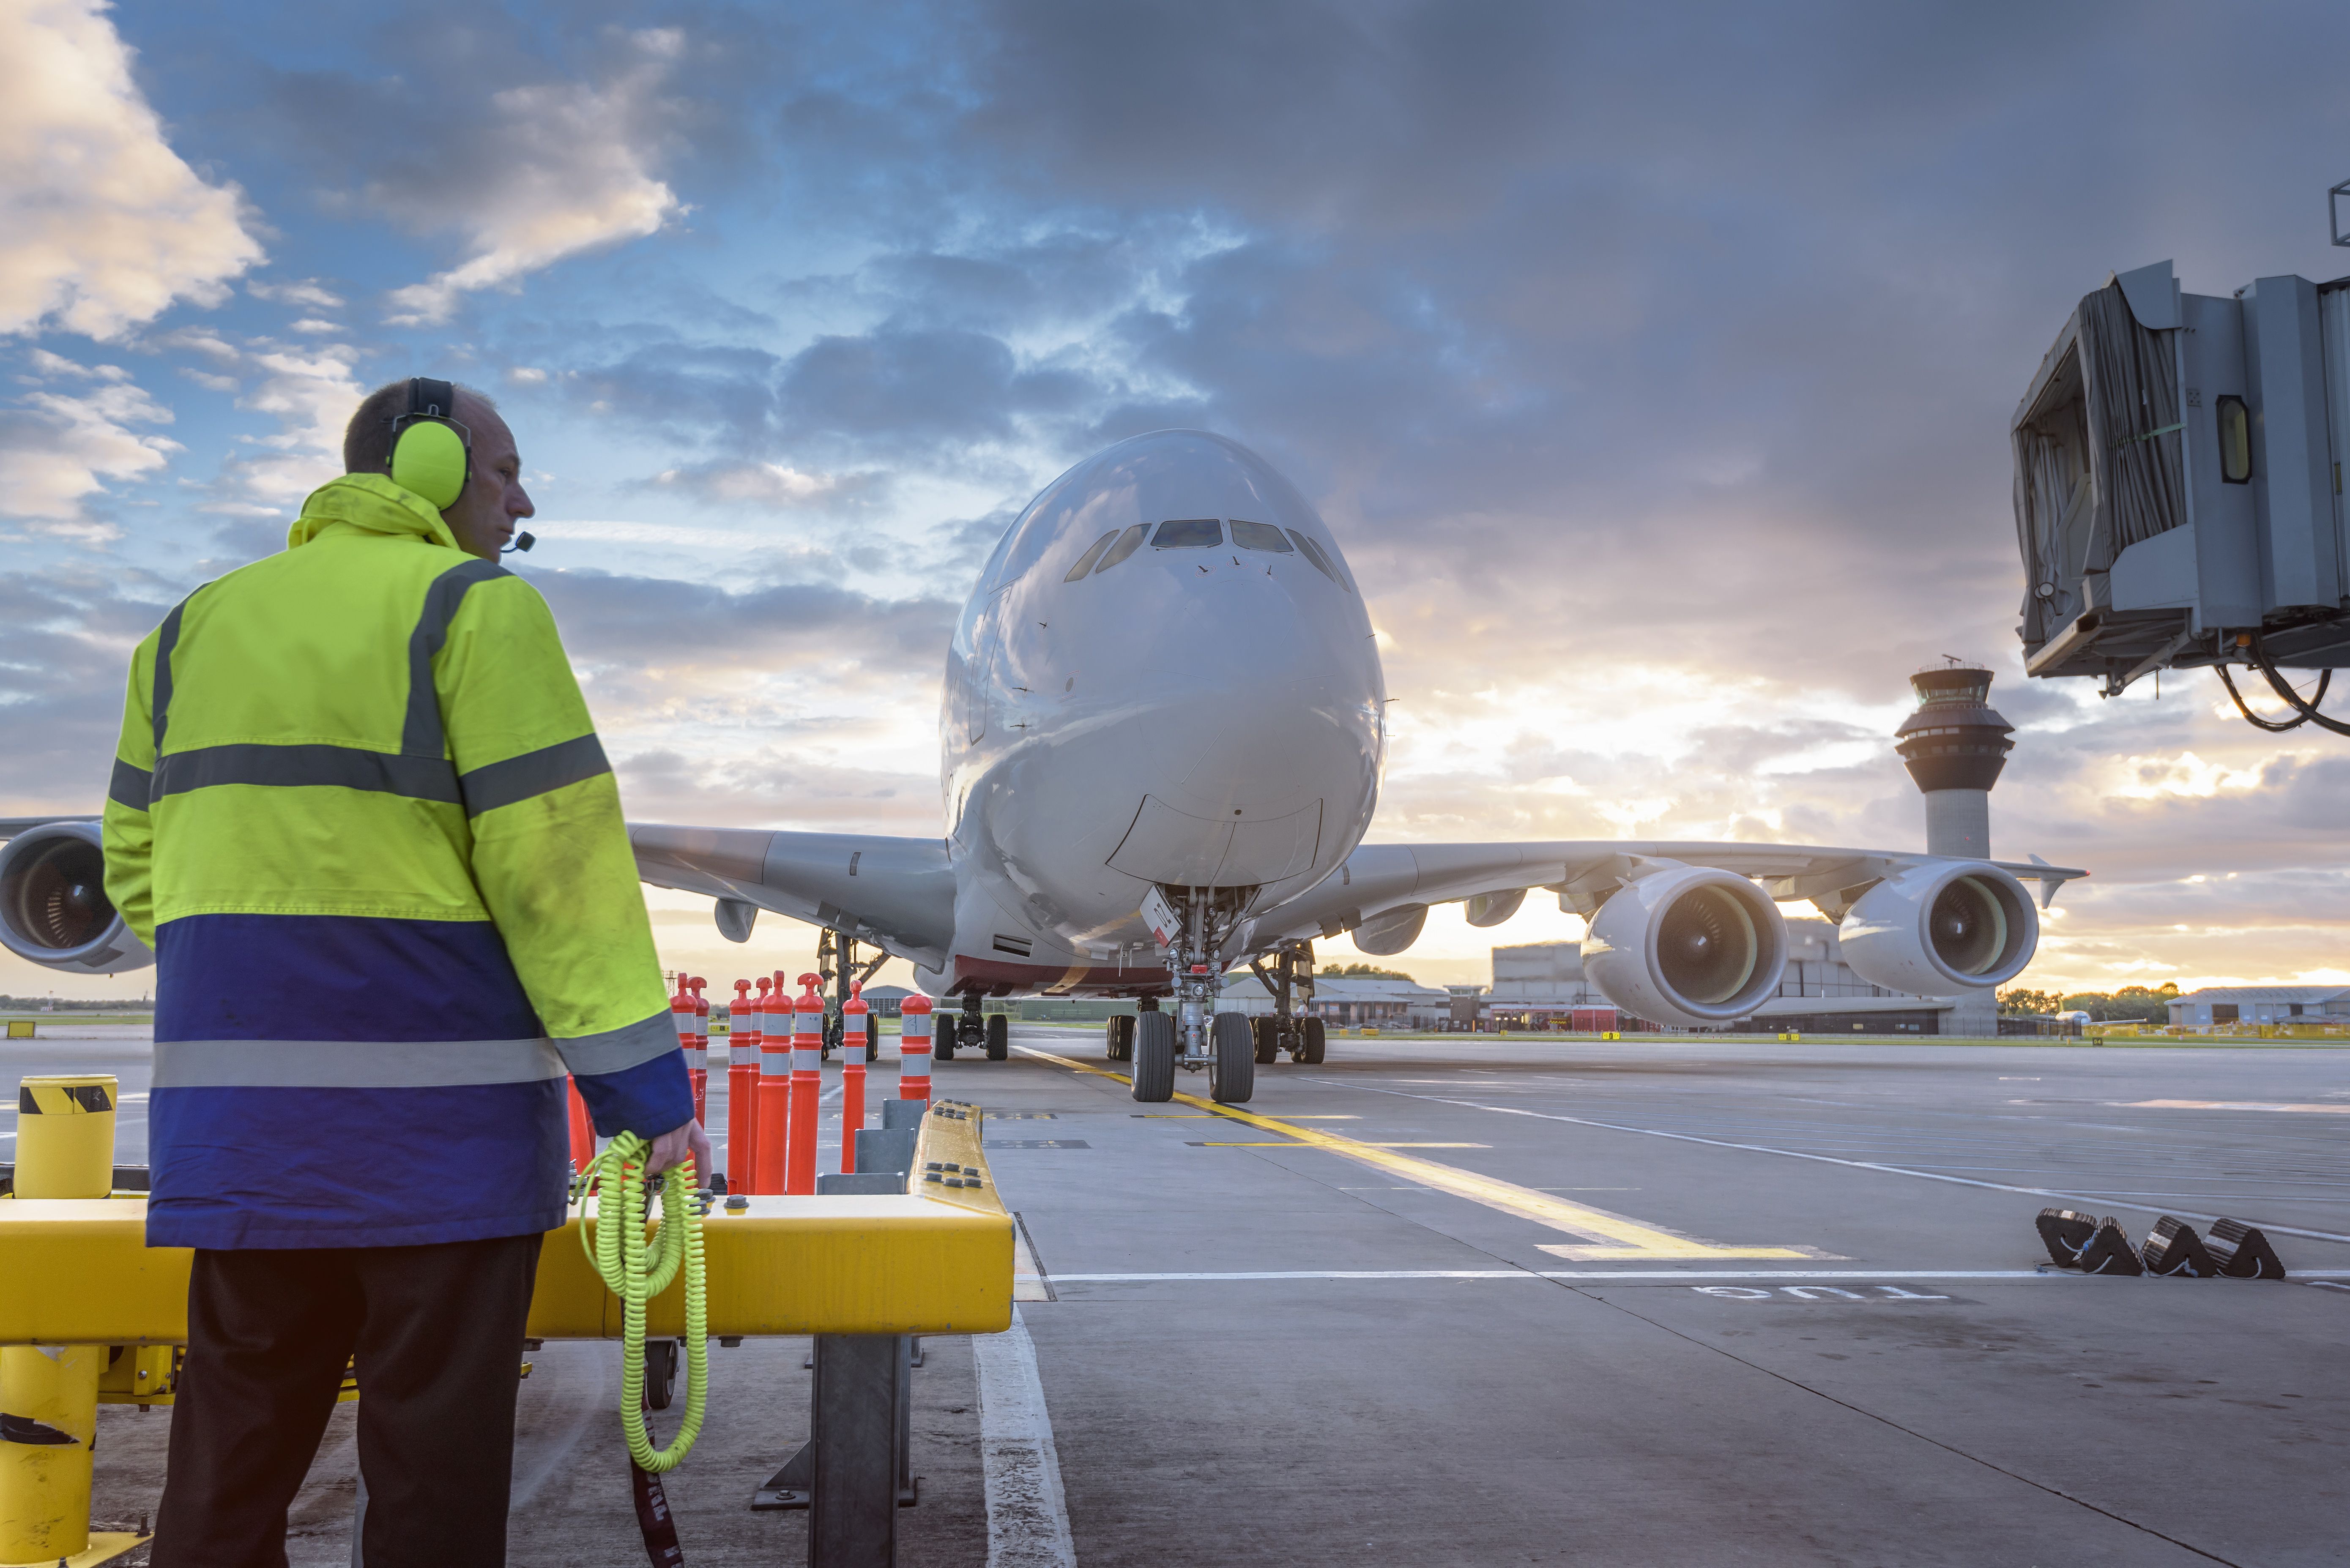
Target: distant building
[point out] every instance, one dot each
(2262, 1004)
(1349, 1003)
(885, 999)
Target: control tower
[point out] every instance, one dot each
(1955, 745)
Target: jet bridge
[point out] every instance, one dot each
(2178, 496)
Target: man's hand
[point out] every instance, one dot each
(674, 1145)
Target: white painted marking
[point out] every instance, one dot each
(1813, 1292)
(2227, 1105)
(1571, 1275)
(1027, 1517)
(1734, 1292)
(2108, 1199)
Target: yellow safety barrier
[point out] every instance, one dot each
(64, 1154)
(935, 1260)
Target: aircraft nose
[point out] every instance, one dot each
(1266, 720)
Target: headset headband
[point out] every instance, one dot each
(429, 399)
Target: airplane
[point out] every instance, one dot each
(1161, 739)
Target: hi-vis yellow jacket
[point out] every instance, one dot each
(361, 815)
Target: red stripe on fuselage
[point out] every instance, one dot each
(1060, 980)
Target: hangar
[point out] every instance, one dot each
(2262, 1004)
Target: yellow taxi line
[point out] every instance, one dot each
(1631, 1239)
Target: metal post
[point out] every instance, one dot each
(853, 1518)
(65, 1148)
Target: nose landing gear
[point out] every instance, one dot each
(1196, 1036)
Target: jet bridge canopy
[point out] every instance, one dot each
(2178, 480)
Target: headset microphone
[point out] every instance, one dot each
(522, 542)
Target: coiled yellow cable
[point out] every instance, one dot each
(636, 1269)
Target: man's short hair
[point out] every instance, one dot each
(367, 440)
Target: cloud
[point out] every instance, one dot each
(773, 485)
(562, 168)
(102, 227)
(57, 451)
(308, 291)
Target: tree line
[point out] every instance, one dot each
(2130, 1004)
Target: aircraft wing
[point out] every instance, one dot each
(10, 827)
(1392, 883)
(897, 893)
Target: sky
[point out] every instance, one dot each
(1653, 365)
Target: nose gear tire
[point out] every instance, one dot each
(1154, 1058)
(1232, 1066)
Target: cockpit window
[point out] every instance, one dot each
(1258, 536)
(1128, 543)
(1086, 562)
(1188, 534)
(1312, 552)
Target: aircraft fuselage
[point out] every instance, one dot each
(1203, 706)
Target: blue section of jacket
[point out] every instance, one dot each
(253, 1165)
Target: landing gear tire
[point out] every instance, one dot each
(943, 1047)
(1120, 1038)
(1267, 1033)
(872, 1037)
(1311, 1039)
(999, 1037)
(1154, 1058)
(1232, 1062)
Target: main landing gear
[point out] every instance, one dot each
(1291, 984)
(840, 971)
(971, 1030)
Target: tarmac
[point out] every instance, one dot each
(1464, 1300)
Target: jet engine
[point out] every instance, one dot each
(1492, 908)
(54, 911)
(1941, 926)
(1392, 931)
(1690, 946)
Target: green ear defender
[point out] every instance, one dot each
(431, 454)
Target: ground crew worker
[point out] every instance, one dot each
(361, 815)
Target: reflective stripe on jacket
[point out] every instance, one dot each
(360, 813)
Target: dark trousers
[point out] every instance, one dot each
(438, 1334)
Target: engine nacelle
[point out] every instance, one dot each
(1691, 946)
(1941, 926)
(1391, 932)
(1492, 908)
(54, 911)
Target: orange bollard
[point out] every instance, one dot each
(697, 1051)
(807, 1085)
(914, 1047)
(772, 1143)
(583, 1131)
(852, 1074)
(701, 1015)
(742, 1100)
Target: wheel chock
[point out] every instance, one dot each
(2109, 1252)
(2173, 1248)
(2065, 1233)
(2242, 1252)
